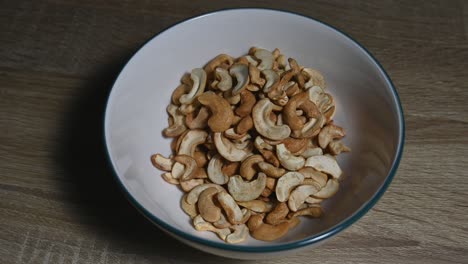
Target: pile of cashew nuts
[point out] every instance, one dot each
(254, 145)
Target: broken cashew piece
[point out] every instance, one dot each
(243, 191)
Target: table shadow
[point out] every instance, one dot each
(100, 203)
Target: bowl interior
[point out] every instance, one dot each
(367, 107)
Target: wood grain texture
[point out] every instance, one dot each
(58, 61)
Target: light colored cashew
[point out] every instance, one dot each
(266, 59)
(327, 106)
(261, 144)
(178, 127)
(225, 79)
(230, 168)
(317, 176)
(243, 191)
(222, 115)
(263, 124)
(161, 162)
(314, 78)
(178, 92)
(315, 94)
(222, 222)
(215, 173)
(336, 147)
(272, 78)
(230, 207)
(255, 76)
(208, 210)
(190, 166)
(247, 103)
(216, 62)
(247, 168)
(325, 163)
(189, 209)
(246, 215)
(228, 150)
(245, 125)
(231, 134)
(299, 195)
(198, 77)
(286, 183)
(266, 232)
(314, 212)
(192, 196)
(329, 133)
(241, 73)
(289, 161)
(329, 190)
(278, 214)
(312, 151)
(240, 234)
(270, 170)
(201, 225)
(188, 144)
(169, 178)
(282, 62)
(187, 186)
(311, 128)
(198, 122)
(258, 206)
(313, 200)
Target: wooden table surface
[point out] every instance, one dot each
(59, 204)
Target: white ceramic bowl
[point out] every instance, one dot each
(367, 106)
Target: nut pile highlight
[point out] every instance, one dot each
(254, 145)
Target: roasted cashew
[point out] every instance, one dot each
(247, 168)
(263, 124)
(208, 210)
(222, 115)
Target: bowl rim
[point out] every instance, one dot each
(289, 245)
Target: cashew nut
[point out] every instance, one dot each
(225, 80)
(278, 214)
(192, 196)
(255, 76)
(314, 78)
(295, 146)
(228, 150)
(190, 166)
(270, 157)
(286, 183)
(241, 73)
(245, 125)
(178, 92)
(222, 115)
(317, 176)
(312, 151)
(336, 147)
(272, 78)
(231, 168)
(200, 121)
(270, 170)
(198, 77)
(215, 173)
(188, 144)
(247, 103)
(208, 210)
(230, 207)
(257, 206)
(162, 163)
(217, 61)
(239, 235)
(329, 190)
(314, 212)
(243, 191)
(178, 127)
(263, 124)
(329, 133)
(299, 195)
(313, 200)
(169, 178)
(267, 232)
(325, 163)
(247, 170)
(266, 59)
(299, 101)
(260, 144)
(289, 161)
(189, 209)
(201, 225)
(222, 222)
(187, 186)
(297, 70)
